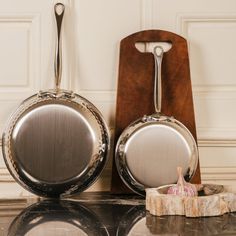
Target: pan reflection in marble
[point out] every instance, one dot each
(139, 222)
(59, 218)
(110, 215)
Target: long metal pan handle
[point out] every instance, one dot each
(59, 9)
(158, 55)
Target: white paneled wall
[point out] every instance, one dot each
(210, 28)
(91, 35)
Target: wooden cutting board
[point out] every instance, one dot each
(136, 83)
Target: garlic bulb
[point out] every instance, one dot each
(182, 188)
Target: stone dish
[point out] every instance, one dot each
(212, 200)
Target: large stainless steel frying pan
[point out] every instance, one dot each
(56, 143)
(151, 148)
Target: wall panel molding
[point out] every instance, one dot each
(11, 189)
(223, 175)
(28, 26)
(184, 19)
(212, 71)
(5, 176)
(217, 161)
(216, 143)
(20, 74)
(214, 114)
(147, 14)
(209, 50)
(219, 175)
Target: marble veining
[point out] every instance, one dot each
(103, 214)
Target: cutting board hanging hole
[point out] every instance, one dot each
(145, 47)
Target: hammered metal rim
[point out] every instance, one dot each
(96, 166)
(120, 159)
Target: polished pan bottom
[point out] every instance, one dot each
(154, 152)
(149, 151)
(53, 143)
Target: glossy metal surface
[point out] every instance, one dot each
(150, 149)
(60, 125)
(59, 10)
(56, 147)
(158, 56)
(56, 143)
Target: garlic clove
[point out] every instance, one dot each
(182, 188)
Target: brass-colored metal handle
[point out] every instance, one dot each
(59, 9)
(158, 52)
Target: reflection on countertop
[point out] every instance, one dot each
(102, 214)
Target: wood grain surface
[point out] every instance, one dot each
(136, 86)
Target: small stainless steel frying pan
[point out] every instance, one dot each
(56, 143)
(151, 148)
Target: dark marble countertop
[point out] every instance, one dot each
(102, 214)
